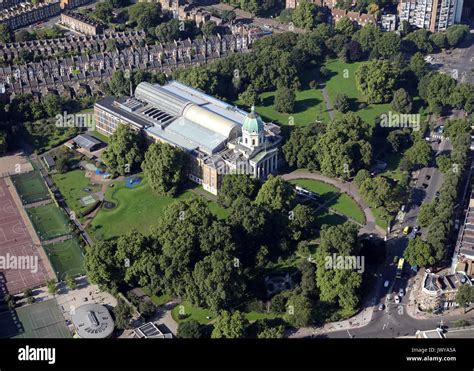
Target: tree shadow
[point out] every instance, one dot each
(303, 105)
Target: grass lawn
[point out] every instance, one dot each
(343, 81)
(324, 217)
(66, 258)
(30, 187)
(137, 208)
(309, 108)
(200, 314)
(190, 312)
(218, 210)
(71, 185)
(49, 221)
(96, 134)
(337, 200)
(393, 171)
(378, 220)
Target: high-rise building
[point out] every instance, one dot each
(434, 15)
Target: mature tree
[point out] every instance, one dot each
(352, 52)
(5, 33)
(427, 214)
(439, 39)
(118, 85)
(465, 296)
(276, 194)
(444, 163)
(52, 104)
(123, 154)
(386, 46)
(190, 330)
(419, 153)
(345, 27)
(436, 89)
(147, 15)
(398, 140)
(164, 167)
(367, 37)
(361, 176)
(218, 281)
(376, 80)
(284, 100)
(302, 222)
(230, 325)
(52, 287)
(250, 96)
(298, 149)
(168, 31)
(341, 102)
(235, 186)
(103, 12)
(71, 282)
(418, 41)
(463, 97)
(101, 265)
(456, 33)
(344, 147)
(308, 274)
(179, 232)
(209, 28)
(336, 44)
(307, 15)
(419, 253)
(123, 315)
(271, 333)
(228, 16)
(136, 260)
(401, 101)
(418, 65)
(338, 285)
(299, 311)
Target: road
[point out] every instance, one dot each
(394, 320)
(246, 17)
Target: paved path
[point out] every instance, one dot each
(347, 187)
(58, 239)
(329, 107)
(39, 203)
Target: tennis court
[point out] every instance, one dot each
(30, 187)
(49, 221)
(66, 258)
(37, 321)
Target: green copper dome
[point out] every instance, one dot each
(253, 123)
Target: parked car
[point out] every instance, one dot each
(401, 292)
(428, 177)
(437, 194)
(424, 185)
(381, 306)
(417, 228)
(386, 283)
(406, 230)
(397, 299)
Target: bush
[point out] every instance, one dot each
(190, 330)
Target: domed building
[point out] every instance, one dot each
(219, 138)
